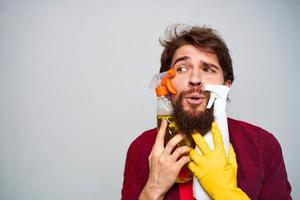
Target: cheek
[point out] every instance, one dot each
(218, 79)
(179, 84)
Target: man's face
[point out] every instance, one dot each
(194, 67)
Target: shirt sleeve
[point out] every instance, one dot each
(132, 185)
(275, 184)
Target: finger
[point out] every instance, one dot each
(182, 161)
(195, 170)
(217, 136)
(196, 157)
(201, 143)
(232, 157)
(180, 151)
(161, 133)
(172, 143)
(193, 167)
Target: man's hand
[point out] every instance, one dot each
(216, 173)
(164, 164)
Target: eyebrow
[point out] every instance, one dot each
(183, 58)
(210, 65)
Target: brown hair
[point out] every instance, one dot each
(199, 36)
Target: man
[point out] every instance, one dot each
(255, 164)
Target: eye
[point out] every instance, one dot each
(208, 69)
(181, 68)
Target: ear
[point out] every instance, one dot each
(228, 83)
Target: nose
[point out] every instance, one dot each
(195, 79)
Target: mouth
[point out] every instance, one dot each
(195, 98)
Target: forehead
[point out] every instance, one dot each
(196, 54)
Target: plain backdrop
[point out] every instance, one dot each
(74, 79)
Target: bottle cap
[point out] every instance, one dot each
(161, 91)
(171, 73)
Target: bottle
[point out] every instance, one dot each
(165, 111)
(218, 97)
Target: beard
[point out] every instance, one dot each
(192, 120)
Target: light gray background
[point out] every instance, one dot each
(74, 81)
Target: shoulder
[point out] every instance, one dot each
(253, 144)
(136, 167)
(143, 143)
(241, 125)
(250, 137)
(145, 138)
(261, 169)
(147, 135)
(239, 129)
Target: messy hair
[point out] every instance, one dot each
(201, 37)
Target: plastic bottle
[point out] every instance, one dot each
(218, 97)
(165, 111)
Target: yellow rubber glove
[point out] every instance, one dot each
(216, 173)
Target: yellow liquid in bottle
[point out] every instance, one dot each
(185, 174)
